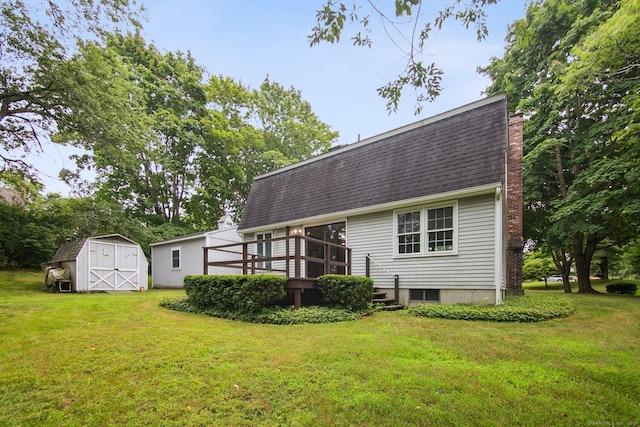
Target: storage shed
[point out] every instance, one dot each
(103, 264)
(172, 259)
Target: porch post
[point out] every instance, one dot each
(367, 266)
(297, 256)
(206, 261)
(245, 256)
(327, 258)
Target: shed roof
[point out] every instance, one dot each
(69, 251)
(460, 149)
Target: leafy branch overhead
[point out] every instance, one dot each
(408, 26)
(40, 92)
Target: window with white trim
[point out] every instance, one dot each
(440, 229)
(176, 260)
(409, 232)
(426, 230)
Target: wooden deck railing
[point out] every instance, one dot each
(244, 258)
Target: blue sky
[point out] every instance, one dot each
(252, 39)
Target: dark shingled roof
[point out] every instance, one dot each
(452, 151)
(68, 251)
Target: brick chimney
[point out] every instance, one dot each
(515, 241)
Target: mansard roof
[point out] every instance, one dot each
(453, 151)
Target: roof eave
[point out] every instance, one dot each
(434, 198)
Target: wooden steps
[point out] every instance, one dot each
(388, 304)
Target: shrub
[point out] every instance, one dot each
(625, 288)
(241, 294)
(273, 315)
(349, 292)
(528, 308)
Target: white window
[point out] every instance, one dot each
(409, 232)
(176, 261)
(426, 230)
(440, 229)
(265, 249)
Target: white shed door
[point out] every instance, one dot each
(113, 267)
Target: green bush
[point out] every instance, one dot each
(273, 315)
(350, 292)
(528, 308)
(625, 288)
(240, 294)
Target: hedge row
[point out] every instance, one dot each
(274, 315)
(528, 308)
(349, 292)
(240, 294)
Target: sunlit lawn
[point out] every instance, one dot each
(99, 359)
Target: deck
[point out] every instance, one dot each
(300, 258)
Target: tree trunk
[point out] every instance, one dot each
(583, 255)
(563, 265)
(603, 268)
(566, 283)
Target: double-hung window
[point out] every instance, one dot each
(426, 230)
(176, 259)
(440, 229)
(409, 233)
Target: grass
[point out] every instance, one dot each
(99, 359)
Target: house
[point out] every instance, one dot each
(101, 264)
(172, 259)
(431, 211)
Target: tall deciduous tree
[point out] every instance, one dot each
(153, 172)
(41, 92)
(581, 138)
(288, 123)
(248, 133)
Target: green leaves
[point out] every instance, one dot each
(528, 308)
(415, 77)
(423, 80)
(43, 89)
(569, 68)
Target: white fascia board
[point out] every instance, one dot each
(334, 216)
(179, 239)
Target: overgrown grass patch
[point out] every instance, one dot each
(528, 308)
(273, 315)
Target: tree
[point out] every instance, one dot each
(581, 138)
(422, 78)
(41, 91)
(152, 172)
(192, 150)
(248, 133)
(288, 123)
(538, 265)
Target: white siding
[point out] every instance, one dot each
(278, 248)
(222, 237)
(471, 268)
(191, 262)
(191, 257)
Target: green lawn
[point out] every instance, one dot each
(99, 359)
